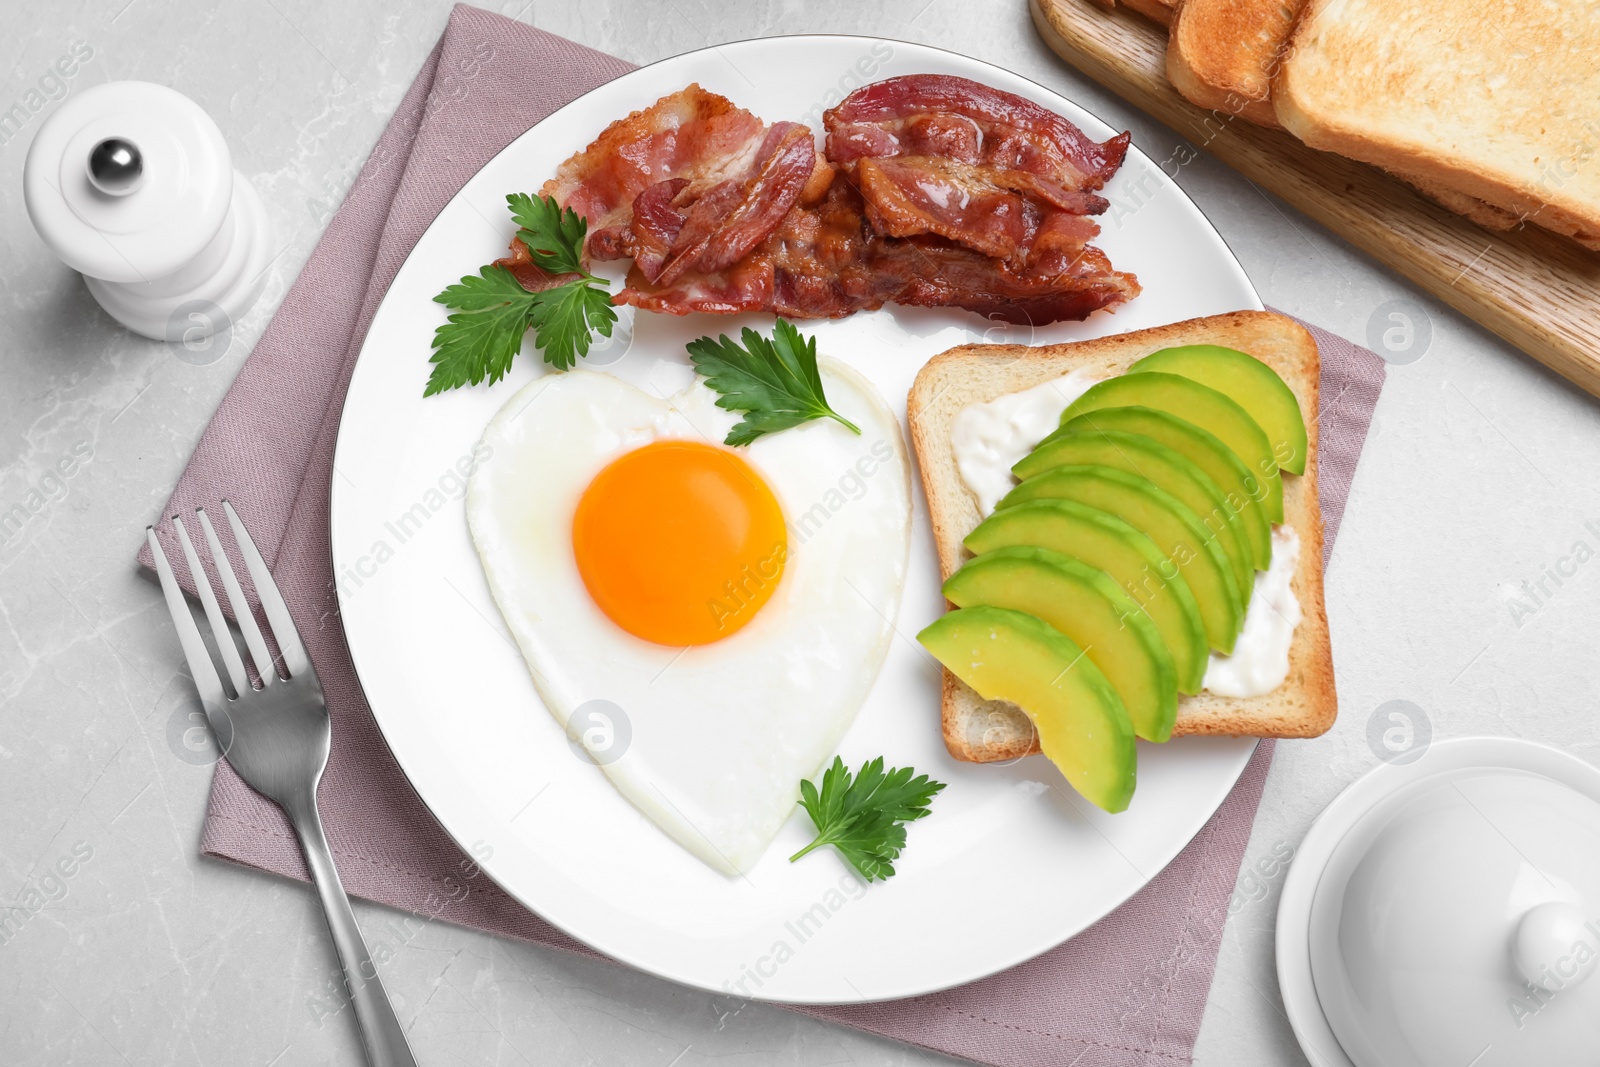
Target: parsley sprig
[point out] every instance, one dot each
(775, 383)
(863, 816)
(553, 236)
(493, 310)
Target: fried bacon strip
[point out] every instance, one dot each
(967, 121)
(1004, 182)
(948, 157)
(693, 135)
(733, 218)
(691, 182)
(906, 196)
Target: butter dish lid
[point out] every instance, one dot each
(1447, 912)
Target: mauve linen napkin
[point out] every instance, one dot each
(1131, 990)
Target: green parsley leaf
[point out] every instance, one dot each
(775, 383)
(863, 817)
(555, 237)
(566, 317)
(493, 310)
(480, 340)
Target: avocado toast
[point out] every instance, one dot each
(1304, 703)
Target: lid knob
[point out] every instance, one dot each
(1555, 946)
(116, 166)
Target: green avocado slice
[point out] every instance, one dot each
(1088, 606)
(1109, 544)
(1201, 405)
(1240, 488)
(1139, 455)
(1083, 727)
(1255, 386)
(1177, 532)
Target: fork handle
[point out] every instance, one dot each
(381, 1033)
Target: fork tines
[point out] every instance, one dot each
(206, 680)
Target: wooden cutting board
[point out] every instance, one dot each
(1536, 290)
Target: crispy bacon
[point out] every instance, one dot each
(692, 134)
(944, 156)
(1061, 243)
(938, 192)
(942, 274)
(689, 183)
(655, 226)
(731, 219)
(1046, 193)
(942, 115)
(677, 227)
(910, 195)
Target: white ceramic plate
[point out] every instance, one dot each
(1011, 862)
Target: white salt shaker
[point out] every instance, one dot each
(132, 184)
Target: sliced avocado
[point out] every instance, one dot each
(1088, 606)
(1139, 455)
(1107, 543)
(1201, 405)
(1083, 727)
(1240, 488)
(1255, 386)
(1176, 530)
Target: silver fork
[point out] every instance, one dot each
(277, 738)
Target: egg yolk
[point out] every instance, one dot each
(679, 542)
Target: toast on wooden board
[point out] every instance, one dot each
(1224, 54)
(993, 731)
(1368, 78)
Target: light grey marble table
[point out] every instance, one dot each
(1477, 480)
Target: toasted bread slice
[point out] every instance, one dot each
(993, 731)
(1222, 54)
(1496, 105)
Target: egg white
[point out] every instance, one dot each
(717, 737)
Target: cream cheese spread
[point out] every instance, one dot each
(989, 437)
(1260, 660)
